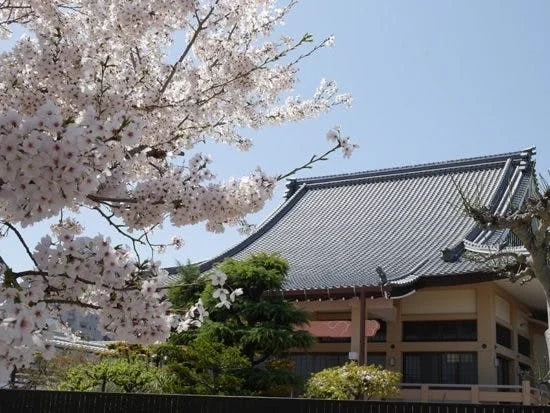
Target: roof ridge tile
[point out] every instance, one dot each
(416, 169)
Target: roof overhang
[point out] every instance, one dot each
(332, 293)
(393, 290)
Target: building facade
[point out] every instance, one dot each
(389, 248)
(467, 334)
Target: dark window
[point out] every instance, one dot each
(380, 336)
(451, 330)
(307, 363)
(378, 359)
(503, 371)
(440, 368)
(525, 372)
(524, 346)
(504, 336)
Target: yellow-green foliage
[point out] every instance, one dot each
(353, 382)
(113, 374)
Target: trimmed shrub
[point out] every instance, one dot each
(353, 382)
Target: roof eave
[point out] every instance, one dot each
(426, 281)
(332, 293)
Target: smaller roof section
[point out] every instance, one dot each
(401, 227)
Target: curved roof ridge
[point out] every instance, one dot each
(488, 249)
(407, 170)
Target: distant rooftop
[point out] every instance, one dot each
(400, 227)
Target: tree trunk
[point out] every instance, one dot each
(547, 332)
(544, 279)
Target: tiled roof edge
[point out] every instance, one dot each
(79, 344)
(487, 249)
(398, 289)
(264, 227)
(406, 171)
(524, 172)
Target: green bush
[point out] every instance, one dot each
(353, 382)
(112, 374)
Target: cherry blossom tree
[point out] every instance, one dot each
(92, 117)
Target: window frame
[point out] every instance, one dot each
(504, 336)
(440, 331)
(524, 343)
(439, 367)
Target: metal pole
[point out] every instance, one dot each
(362, 320)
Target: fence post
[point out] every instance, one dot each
(526, 392)
(424, 393)
(474, 397)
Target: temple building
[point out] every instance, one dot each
(378, 257)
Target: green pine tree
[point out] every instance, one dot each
(262, 327)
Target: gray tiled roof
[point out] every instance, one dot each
(83, 345)
(336, 230)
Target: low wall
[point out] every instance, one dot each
(37, 401)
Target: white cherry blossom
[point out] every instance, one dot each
(218, 278)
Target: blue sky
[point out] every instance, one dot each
(431, 80)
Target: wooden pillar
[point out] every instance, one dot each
(354, 346)
(474, 394)
(526, 392)
(424, 393)
(486, 336)
(362, 320)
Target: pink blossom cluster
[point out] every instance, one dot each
(184, 196)
(40, 173)
(24, 324)
(93, 115)
(89, 273)
(334, 135)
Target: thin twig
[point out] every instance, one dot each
(199, 28)
(118, 227)
(27, 249)
(309, 164)
(71, 302)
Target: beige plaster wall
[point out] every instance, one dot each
(485, 302)
(440, 302)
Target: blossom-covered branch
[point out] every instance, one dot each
(92, 115)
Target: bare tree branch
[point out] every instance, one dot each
(28, 273)
(103, 199)
(70, 302)
(309, 163)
